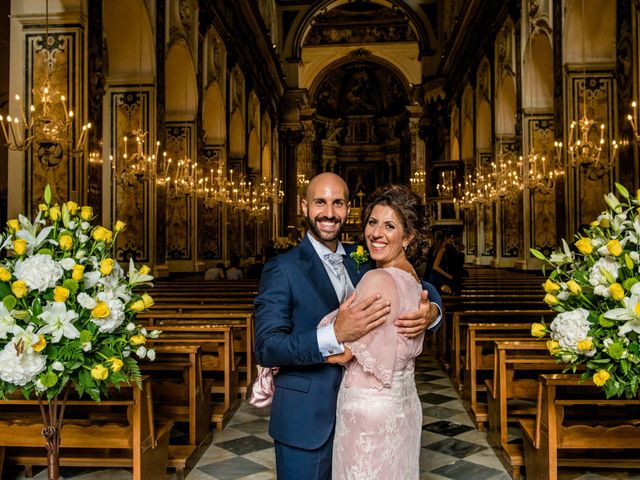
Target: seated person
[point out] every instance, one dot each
(215, 273)
(234, 272)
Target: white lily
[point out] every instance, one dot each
(7, 322)
(59, 322)
(135, 277)
(630, 312)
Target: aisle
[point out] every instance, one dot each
(452, 448)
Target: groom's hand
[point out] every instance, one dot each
(354, 321)
(414, 323)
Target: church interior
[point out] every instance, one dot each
(199, 123)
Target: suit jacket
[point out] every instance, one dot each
(295, 294)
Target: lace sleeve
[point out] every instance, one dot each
(376, 351)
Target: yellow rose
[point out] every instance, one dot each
(550, 286)
(86, 213)
(116, 364)
(360, 250)
(138, 339)
(601, 377)
(101, 310)
(553, 346)
(604, 223)
(137, 306)
(574, 287)
(595, 224)
(60, 294)
(99, 372)
(66, 242)
(14, 225)
(109, 236)
(119, 226)
(106, 266)
(550, 300)
(19, 288)
(148, 301)
(616, 291)
(100, 234)
(5, 275)
(638, 194)
(144, 270)
(614, 247)
(72, 207)
(20, 246)
(584, 246)
(43, 207)
(585, 345)
(54, 213)
(538, 330)
(77, 272)
(40, 344)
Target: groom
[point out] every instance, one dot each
(297, 290)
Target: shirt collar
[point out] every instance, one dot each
(322, 249)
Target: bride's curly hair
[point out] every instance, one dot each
(409, 208)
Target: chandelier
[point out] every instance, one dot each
(540, 177)
(418, 183)
(50, 134)
(187, 181)
(587, 138)
(633, 120)
(138, 166)
(466, 195)
(447, 184)
(505, 179)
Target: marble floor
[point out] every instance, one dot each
(451, 447)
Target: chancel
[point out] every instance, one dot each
(162, 156)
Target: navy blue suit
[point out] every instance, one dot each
(295, 294)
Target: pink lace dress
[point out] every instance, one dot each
(379, 416)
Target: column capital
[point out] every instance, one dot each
(291, 106)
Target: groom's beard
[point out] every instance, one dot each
(324, 236)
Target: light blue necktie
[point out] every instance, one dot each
(335, 259)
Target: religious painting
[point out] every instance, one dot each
(362, 180)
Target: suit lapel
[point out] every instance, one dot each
(314, 270)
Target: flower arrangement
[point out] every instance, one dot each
(360, 256)
(67, 309)
(595, 287)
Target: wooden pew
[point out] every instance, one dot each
(576, 426)
(512, 393)
(182, 395)
(118, 432)
(219, 362)
(242, 321)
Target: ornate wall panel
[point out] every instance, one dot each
(209, 226)
(588, 187)
(131, 109)
(511, 217)
(59, 58)
(179, 137)
(487, 213)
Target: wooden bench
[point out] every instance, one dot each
(576, 426)
(182, 395)
(118, 432)
(512, 393)
(219, 363)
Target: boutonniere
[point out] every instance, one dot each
(360, 256)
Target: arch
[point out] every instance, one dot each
(538, 74)
(314, 70)
(181, 87)
(333, 66)
(595, 26)
(421, 27)
(213, 115)
(130, 44)
(254, 150)
(266, 161)
(236, 135)
(455, 134)
(467, 142)
(506, 107)
(483, 126)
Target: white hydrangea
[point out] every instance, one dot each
(67, 263)
(141, 351)
(40, 272)
(151, 354)
(20, 369)
(568, 328)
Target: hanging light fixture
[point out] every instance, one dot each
(586, 137)
(38, 127)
